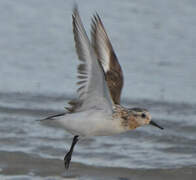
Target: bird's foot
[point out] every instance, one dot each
(67, 159)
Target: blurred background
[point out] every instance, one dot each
(155, 43)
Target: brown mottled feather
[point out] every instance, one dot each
(107, 57)
(114, 76)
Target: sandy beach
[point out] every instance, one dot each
(16, 164)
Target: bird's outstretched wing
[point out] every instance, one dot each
(107, 58)
(93, 91)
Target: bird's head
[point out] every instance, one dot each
(139, 117)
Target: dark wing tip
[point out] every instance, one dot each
(52, 117)
(75, 8)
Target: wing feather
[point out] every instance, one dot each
(107, 57)
(93, 90)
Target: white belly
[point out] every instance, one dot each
(90, 123)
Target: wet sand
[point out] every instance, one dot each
(18, 164)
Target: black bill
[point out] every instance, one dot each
(155, 124)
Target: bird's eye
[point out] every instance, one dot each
(143, 115)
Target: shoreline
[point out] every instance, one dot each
(23, 164)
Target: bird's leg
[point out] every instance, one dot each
(67, 157)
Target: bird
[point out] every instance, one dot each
(97, 110)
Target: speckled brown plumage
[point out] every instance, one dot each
(113, 72)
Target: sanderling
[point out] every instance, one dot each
(97, 111)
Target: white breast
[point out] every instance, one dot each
(91, 123)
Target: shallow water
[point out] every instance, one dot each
(155, 44)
